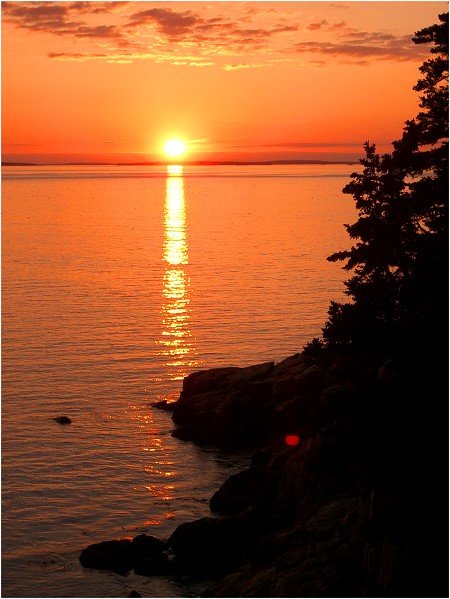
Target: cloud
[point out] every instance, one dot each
(96, 7)
(38, 16)
(192, 63)
(243, 65)
(154, 34)
(338, 26)
(107, 31)
(360, 45)
(129, 57)
(117, 32)
(169, 22)
(323, 25)
(57, 18)
(76, 56)
(297, 145)
(315, 26)
(217, 32)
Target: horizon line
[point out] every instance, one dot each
(182, 163)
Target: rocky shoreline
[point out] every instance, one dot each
(346, 495)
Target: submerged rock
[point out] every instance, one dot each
(62, 420)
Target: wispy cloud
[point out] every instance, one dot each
(169, 22)
(317, 25)
(157, 33)
(215, 35)
(76, 56)
(244, 65)
(56, 18)
(206, 36)
(299, 145)
(96, 7)
(357, 45)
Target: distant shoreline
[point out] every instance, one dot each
(191, 163)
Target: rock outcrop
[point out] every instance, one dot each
(115, 555)
(212, 547)
(348, 510)
(353, 508)
(145, 553)
(245, 407)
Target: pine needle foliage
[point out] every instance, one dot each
(399, 260)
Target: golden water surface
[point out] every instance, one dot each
(116, 283)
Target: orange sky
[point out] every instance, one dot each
(234, 80)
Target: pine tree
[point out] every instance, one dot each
(399, 263)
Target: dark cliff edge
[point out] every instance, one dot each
(347, 492)
(359, 506)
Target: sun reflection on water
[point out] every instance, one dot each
(175, 344)
(176, 341)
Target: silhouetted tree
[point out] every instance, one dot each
(399, 263)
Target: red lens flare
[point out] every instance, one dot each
(292, 440)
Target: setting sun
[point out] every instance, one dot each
(174, 148)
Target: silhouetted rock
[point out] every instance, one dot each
(147, 546)
(62, 420)
(313, 560)
(343, 512)
(122, 555)
(215, 378)
(159, 565)
(214, 546)
(239, 492)
(237, 407)
(166, 406)
(352, 510)
(206, 545)
(116, 555)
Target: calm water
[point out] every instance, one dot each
(116, 283)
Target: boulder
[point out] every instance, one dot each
(227, 418)
(167, 406)
(122, 555)
(116, 555)
(158, 565)
(205, 545)
(214, 546)
(313, 560)
(225, 406)
(249, 407)
(216, 378)
(147, 546)
(239, 492)
(62, 420)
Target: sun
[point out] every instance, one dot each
(174, 148)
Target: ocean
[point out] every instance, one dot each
(117, 282)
